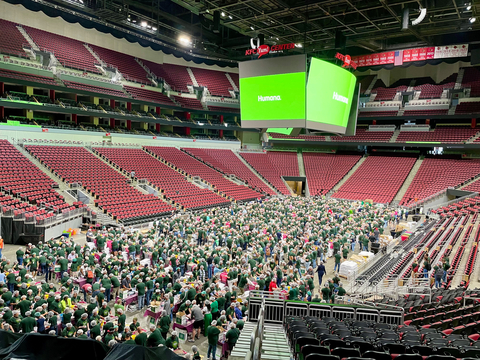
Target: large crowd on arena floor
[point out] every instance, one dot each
(201, 265)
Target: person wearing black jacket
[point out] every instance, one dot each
(321, 271)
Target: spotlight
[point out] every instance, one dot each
(223, 14)
(154, 28)
(469, 6)
(230, 17)
(298, 45)
(472, 20)
(185, 40)
(208, 11)
(144, 24)
(251, 27)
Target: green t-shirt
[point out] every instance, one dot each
(212, 334)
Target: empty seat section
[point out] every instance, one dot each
(435, 175)
(71, 53)
(228, 163)
(377, 113)
(194, 167)
(149, 95)
(107, 186)
(272, 165)
(94, 89)
(175, 75)
(324, 171)
(28, 186)
(173, 184)
(223, 109)
(12, 40)
(189, 103)
(425, 112)
(470, 107)
(379, 178)
(456, 134)
(387, 94)
(303, 137)
(126, 64)
(27, 77)
(216, 81)
(471, 79)
(363, 135)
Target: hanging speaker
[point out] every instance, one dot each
(216, 21)
(340, 40)
(405, 18)
(261, 38)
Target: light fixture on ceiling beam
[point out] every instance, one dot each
(472, 20)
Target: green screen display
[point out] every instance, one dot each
(273, 97)
(330, 90)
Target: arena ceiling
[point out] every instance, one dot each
(367, 25)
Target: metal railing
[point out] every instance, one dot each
(275, 309)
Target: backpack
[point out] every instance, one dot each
(267, 251)
(90, 274)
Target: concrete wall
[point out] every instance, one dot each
(20, 15)
(14, 133)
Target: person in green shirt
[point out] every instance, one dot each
(141, 338)
(164, 324)
(69, 331)
(172, 342)
(340, 290)
(232, 336)
(212, 334)
(94, 329)
(141, 294)
(338, 258)
(326, 293)
(28, 323)
(155, 337)
(345, 252)
(20, 254)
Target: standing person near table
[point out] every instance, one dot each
(232, 336)
(141, 294)
(338, 258)
(164, 323)
(197, 315)
(214, 308)
(212, 333)
(115, 286)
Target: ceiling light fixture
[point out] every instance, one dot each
(251, 27)
(223, 14)
(230, 17)
(144, 24)
(185, 40)
(472, 20)
(154, 28)
(298, 45)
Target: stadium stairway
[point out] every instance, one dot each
(62, 187)
(346, 177)
(234, 86)
(394, 136)
(408, 181)
(255, 172)
(301, 166)
(461, 267)
(473, 138)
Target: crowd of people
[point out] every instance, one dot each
(62, 288)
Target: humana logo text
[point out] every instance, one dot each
(269, 98)
(340, 98)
